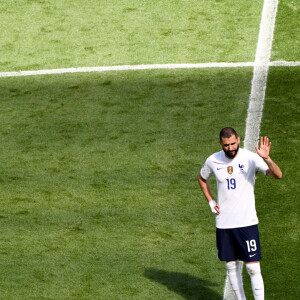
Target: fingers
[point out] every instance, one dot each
(215, 207)
(264, 141)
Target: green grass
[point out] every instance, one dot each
(98, 181)
(286, 38)
(57, 34)
(98, 186)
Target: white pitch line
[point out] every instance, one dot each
(281, 63)
(126, 68)
(144, 67)
(258, 90)
(260, 74)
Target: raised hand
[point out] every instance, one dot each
(265, 147)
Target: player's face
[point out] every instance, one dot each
(230, 146)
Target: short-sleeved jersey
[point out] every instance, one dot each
(235, 184)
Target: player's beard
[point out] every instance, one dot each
(233, 153)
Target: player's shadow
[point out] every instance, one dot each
(189, 287)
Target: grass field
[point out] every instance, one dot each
(56, 34)
(98, 178)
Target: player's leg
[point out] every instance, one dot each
(235, 278)
(248, 239)
(227, 253)
(257, 282)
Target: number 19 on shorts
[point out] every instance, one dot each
(251, 245)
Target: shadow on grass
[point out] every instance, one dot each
(189, 287)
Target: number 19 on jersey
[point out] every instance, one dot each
(231, 184)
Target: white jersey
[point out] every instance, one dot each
(235, 183)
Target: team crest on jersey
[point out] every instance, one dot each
(230, 170)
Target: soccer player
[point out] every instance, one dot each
(237, 233)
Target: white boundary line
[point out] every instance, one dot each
(258, 90)
(281, 63)
(260, 73)
(146, 67)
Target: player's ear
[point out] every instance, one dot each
(238, 140)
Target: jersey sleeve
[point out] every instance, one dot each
(260, 165)
(206, 170)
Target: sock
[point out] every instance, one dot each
(235, 277)
(256, 280)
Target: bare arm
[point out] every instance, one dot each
(273, 171)
(204, 185)
(264, 151)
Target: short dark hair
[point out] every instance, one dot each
(227, 132)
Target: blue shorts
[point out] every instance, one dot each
(239, 244)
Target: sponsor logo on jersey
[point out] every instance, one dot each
(230, 170)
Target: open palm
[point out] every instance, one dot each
(264, 149)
